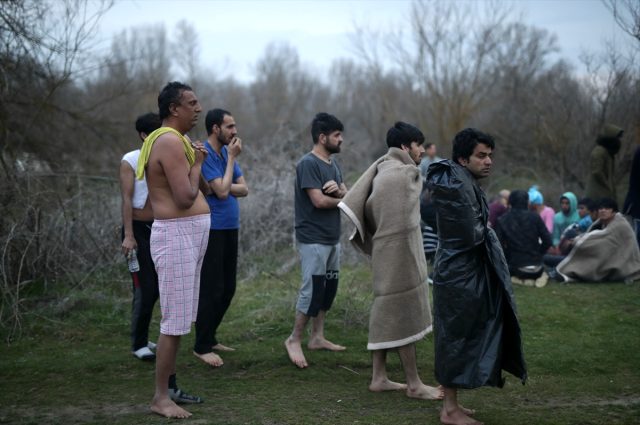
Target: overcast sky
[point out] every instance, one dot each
(233, 34)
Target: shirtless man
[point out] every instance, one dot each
(179, 233)
(319, 188)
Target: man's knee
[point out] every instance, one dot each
(331, 288)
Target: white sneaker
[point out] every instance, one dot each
(541, 282)
(516, 281)
(151, 345)
(144, 354)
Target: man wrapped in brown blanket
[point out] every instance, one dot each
(384, 206)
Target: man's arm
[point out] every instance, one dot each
(183, 180)
(127, 180)
(222, 186)
(544, 236)
(239, 189)
(334, 189)
(322, 201)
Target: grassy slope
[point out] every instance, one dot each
(73, 366)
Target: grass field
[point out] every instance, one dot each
(72, 364)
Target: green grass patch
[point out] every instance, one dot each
(72, 364)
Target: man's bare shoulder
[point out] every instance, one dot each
(168, 143)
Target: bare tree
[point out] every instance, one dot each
(186, 51)
(42, 43)
(627, 15)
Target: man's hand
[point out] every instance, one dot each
(331, 188)
(128, 244)
(200, 150)
(235, 147)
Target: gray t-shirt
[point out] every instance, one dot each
(315, 225)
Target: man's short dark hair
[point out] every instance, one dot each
(402, 134)
(148, 123)
(519, 200)
(171, 93)
(466, 141)
(608, 203)
(214, 117)
(326, 124)
(427, 145)
(588, 202)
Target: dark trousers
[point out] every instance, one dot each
(552, 261)
(217, 286)
(144, 288)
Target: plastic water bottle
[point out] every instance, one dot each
(132, 261)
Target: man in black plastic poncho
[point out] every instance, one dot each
(476, 330)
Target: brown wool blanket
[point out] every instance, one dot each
(600, 255)
(384, 205)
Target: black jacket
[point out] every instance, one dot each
(476, 329)
(524, 238)
(632, 201)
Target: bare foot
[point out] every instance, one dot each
(386, 385)
(167, 408)
(212, 359)
(323, 344)
(220, 347)
(468, 412)
(457, 417)
(426, 392)
(294, 349)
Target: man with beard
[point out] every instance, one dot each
(384, 205)
(318, 190)
(218, 278)
(476, 330)
(601, 183)
(172, 163)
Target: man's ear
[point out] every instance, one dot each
(173, 109)
(322, 138)
(142, 135)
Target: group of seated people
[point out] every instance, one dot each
(584, 241)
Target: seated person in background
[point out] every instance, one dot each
(498, 206)
(588, 212)
(524, 239)
(564, 218)
(536, 203)
(606, 252)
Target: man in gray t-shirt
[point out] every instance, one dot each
(319, 189)
(316, 225)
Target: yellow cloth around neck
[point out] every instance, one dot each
(145, 151)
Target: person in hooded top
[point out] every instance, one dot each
(564, 218)
(536, 203)
(600, 183)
